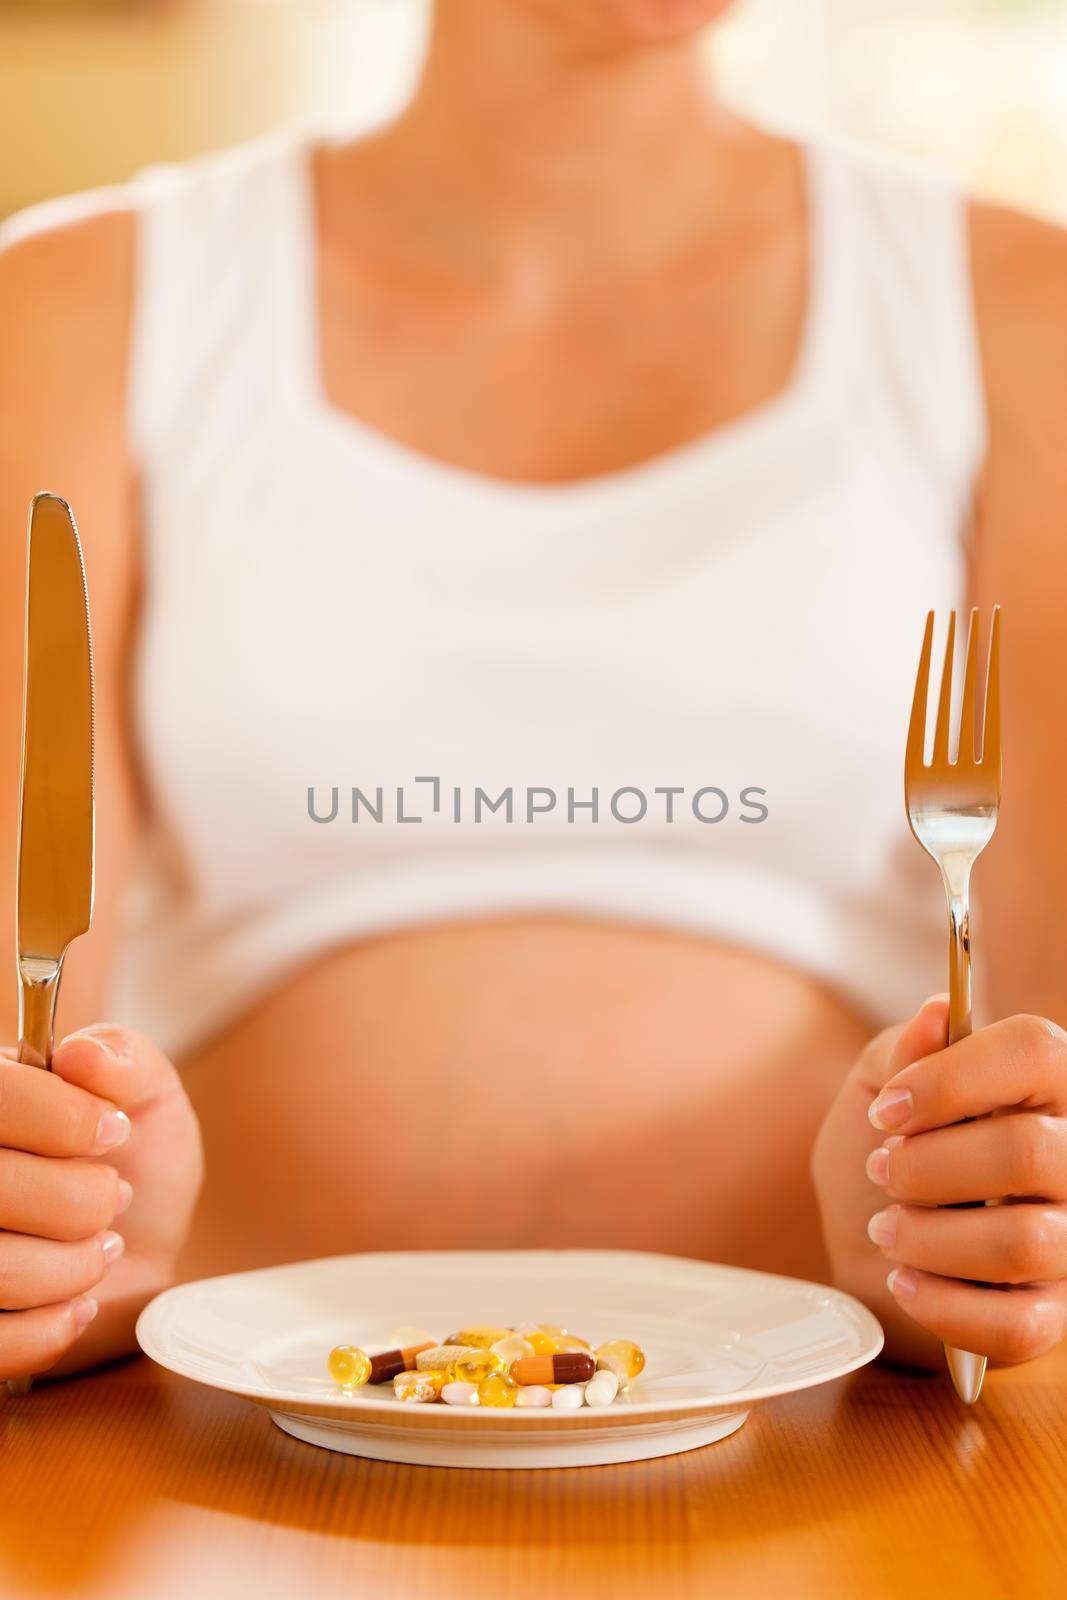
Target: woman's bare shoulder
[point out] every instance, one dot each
(1028, 249)
(1019, 266)
(66, 298)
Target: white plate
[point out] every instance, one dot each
(717, 1339)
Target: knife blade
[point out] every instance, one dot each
(56, 815)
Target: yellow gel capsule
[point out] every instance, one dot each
(418, 1388)
(498, 1389)
(571, 1343)
(544, 1344)
(480, 1336)
(622, 1357)
(513, 1348)
(348, 1366)
(476, 1366)
(551, 1329)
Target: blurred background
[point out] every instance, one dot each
(92, 89)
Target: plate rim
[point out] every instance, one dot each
(373, 1411)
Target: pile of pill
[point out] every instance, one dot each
(529, 1367)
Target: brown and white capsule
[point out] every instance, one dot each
(388, 1364)
(567, 1366)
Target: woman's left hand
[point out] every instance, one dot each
(896, 1146)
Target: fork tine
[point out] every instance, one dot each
(916, 750)
(991, 731)
(944, 703)
(968, 744)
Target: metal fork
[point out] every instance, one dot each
(952, 809)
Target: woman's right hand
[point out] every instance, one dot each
(100, 1167)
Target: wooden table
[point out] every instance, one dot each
(133, 1483)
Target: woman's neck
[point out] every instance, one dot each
(551, 142)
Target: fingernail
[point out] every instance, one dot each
(83, 1311)
(125, 1195)
(892, 1109)
(113, 1245)
(902, 1283)
(112, 1129)
(882, 1228)
(878, 1166)
(87, 1036)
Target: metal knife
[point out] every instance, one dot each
(56, 816)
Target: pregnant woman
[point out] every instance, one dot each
(566, 434)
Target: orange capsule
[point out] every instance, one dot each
(569, 1366)
(388, 1364)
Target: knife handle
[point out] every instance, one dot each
(38, 993)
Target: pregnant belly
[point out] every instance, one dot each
(521, 1083)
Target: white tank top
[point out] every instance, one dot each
(327, 609)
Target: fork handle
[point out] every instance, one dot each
(967, 1370)
(959, 966)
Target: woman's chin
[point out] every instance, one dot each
(666, 19)
(616, 23)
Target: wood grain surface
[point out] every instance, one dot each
(134, 1483)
